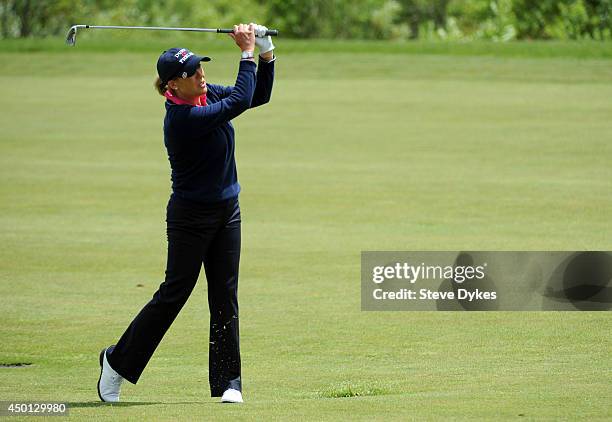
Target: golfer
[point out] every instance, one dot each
(203, 215)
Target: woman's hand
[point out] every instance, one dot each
(262, 41)
(244, 36)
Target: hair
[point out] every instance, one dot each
(160, 87)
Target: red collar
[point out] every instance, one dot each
(177, 100)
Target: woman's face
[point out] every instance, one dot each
(191, 87)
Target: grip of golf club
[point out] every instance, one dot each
(272, 32)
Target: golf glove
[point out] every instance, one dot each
(263, 42)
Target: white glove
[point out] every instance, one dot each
(263, 42)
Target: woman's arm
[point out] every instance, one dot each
(203, 119)
(209, 117)
(265, 70)
(265, 81)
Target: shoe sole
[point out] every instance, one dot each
(100, 377)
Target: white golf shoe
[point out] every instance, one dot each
(232, 396)
(109, 383)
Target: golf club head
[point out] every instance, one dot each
(71, 37)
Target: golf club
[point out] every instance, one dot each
(72, 33)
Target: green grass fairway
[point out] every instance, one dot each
(360, 149)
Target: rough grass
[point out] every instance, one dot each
(348, 389)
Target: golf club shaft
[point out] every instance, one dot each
(272, 32)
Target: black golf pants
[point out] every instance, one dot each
(198, 234)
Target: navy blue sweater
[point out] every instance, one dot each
(200, 140)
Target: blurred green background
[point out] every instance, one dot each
(500, 20)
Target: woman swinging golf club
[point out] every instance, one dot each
(203, 215)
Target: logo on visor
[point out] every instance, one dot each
(183, 54)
